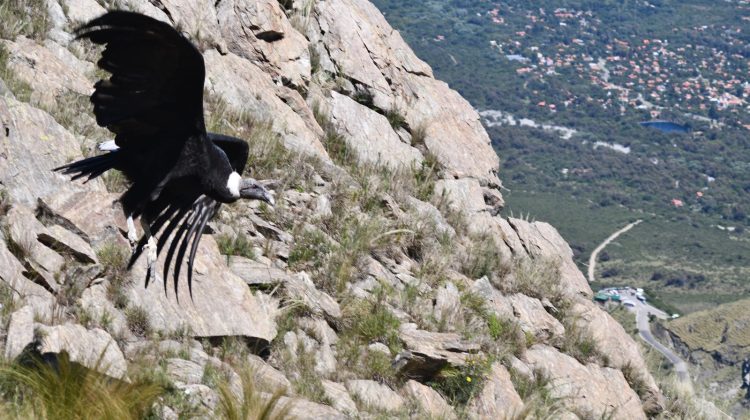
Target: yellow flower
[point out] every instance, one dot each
(468, 379)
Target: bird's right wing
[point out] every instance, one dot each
(156, 86)
(237, 150)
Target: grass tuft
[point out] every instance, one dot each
(67, 390)
(237, 245)
(24, 17)
(251, 405)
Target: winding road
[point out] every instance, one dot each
(642, 311)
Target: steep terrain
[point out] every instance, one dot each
(383, 283)
(563, 86)
(716, 342)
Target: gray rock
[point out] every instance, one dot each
(20, 332)
(94, 349)
(260, 32)
(375, 395)
(47, 75)
(267, 377)
(32, 294)
(57, 237)
(302, 288)
(200, 395)
(184, 371)
(94, 300)
(91, 215)
(590, 389)
(339, 397)
(24, 231)
(534, 319)
(428, 352)
(81, 11)
(256, 273)
(464, 194)
(300, 409)
(447, 305)
(379, 347)
(325, 360)
(247, 88)
(370, 134)
(319, 329)
(428, 400)
(222, 304)
(498, 398)
(495, 300)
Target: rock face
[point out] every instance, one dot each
(94, 349)
(498, 399)
(591, 390)
(383, 228)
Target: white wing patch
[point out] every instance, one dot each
(233, 184)
(108, 146)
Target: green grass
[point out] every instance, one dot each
(235, 245)
(71, 391)
(114, 260)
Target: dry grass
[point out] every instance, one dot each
(251, 405)
(24, 17)
(70, 391)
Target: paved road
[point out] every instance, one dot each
(644, 330)
(598, 249)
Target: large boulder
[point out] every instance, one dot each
(428, 352)
(591, 390)
(498, 398)
(370, 134)
(31, 145)
(260, 32)
(95, 349)
(221, 305)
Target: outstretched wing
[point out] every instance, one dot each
(156, 85)
(153, 103)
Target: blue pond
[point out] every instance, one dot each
(666, 126)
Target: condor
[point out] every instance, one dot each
(153, 103)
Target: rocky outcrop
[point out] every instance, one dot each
(307, 74)
(589, 390)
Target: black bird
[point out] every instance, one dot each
(153, 103)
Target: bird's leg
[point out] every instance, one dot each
(132, 234)
(150, 248)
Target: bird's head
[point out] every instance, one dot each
(250, 188)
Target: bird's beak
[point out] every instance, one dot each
(268, 197)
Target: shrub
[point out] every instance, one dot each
(458, 384)
(237, 245)
(395, 118)
(138, 320)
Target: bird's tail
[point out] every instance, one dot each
(90, 167)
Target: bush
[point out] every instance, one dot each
(237, 245)
(459, 384)
(138, 321)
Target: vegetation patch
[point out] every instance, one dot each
(68, 390)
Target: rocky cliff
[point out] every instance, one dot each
(384, 281)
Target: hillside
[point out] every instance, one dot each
(383, 284)
(716, 342)
(563, 86)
